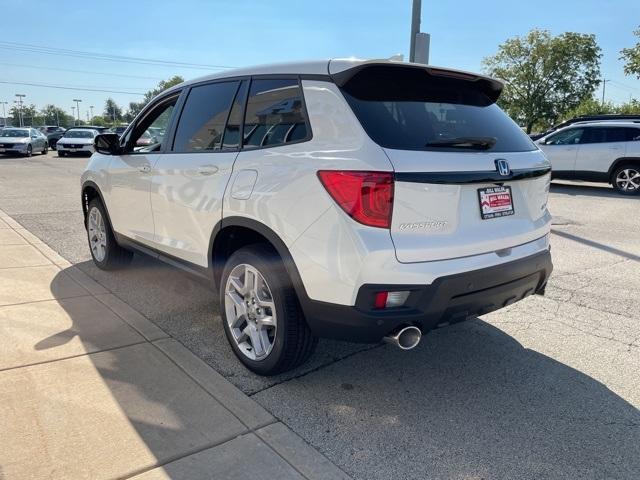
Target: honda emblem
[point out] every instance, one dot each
(502, 166)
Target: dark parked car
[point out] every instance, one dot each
(53, 134)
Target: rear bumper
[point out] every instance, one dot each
(448, 299)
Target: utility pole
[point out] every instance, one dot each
(91, 107)
(420, 42)
(20, 97)
(416, 13)
(4, 112)
(73, 114)
(604, 86)
(57, 118)
(77, 100)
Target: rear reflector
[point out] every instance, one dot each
(367, 197)
(390, 299)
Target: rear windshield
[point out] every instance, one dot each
(79, 134)
(414, 111)
(14, 133)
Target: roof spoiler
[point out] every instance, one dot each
(489, 87)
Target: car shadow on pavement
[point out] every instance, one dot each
(468, 402)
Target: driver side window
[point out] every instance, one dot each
(150, 132)
(568, 137)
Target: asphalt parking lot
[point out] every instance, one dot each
(546, 388)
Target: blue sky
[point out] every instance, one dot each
(246, 32)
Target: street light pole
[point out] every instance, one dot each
(73, 114)
(91, 107)
(77, 100)
(20, 97)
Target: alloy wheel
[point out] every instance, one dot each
(628, 180)
(250, 312)
(97, 234)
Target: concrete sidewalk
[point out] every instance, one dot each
(89, 388)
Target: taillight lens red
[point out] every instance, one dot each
(367, 197)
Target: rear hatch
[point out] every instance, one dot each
(467, 179)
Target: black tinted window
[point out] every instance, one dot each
(232, 131)
(275, 114)
(605, 135)
(409, 110)
(632, 133)
(203, 118)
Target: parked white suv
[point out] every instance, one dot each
(598, 152)
(347, 199)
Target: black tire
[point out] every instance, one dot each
(620, 186)
(294, 342)
(29, 151)
(45, 150)
(115, 256)
(62, 154)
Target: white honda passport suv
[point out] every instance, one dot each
(356, 200)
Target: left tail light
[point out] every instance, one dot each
(367, 197)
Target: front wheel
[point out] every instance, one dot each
(262, 318)
(45, 150)
(105, 251)
(29, 151)
(626, 179)
(62, 154)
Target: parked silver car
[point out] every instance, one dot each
(22, 141)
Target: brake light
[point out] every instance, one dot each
(367, 197)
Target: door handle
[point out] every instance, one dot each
(207, 169)
(146, 168)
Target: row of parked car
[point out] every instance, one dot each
(76, 140)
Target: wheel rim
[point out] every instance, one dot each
(97, 234)
(628, 180)
(250, 311)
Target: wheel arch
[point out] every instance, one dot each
(89, 191)
(622, 161)
(233, 233)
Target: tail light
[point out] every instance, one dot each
(367, 197)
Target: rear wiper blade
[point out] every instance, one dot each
(474, 143)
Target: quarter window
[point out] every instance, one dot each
(275, 114)
(204, 116)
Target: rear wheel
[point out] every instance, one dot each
(261, 314)
(106, 253)
(626, 179)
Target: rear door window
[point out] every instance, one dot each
(632, 134)
(204, 116)
(275, 114)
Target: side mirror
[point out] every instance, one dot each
(107, 144)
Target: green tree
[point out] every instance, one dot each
(545, 76)
(135, 107)
(29, 115)
(590, 106)
(631, 56)
(112, 111)
(100, 121)
(52, 115)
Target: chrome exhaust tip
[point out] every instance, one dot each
(405, 338)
